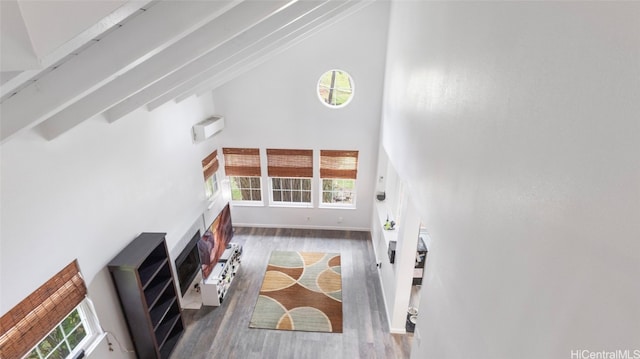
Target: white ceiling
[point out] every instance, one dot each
(64, 62)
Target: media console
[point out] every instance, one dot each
(214, 288)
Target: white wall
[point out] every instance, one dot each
(516, 128)
(395, 278)
(87, 194)
(276, 106)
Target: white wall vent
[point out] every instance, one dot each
(207, 128)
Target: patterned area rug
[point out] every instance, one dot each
(300, 291)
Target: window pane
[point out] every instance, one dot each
(208, 191)
(335, 87)
(60, 353)
(324, 93)
(236, 195)
(71, 322)
(348, 184)
(291, 190)
(244, 182)
(211, 186)
(33, 355)
(245, 188)
(340, 191)
(341, 97)
(76, 337)
(50, 342)
(215, 183)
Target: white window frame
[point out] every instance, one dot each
(89, 320)
(212, 184)
(244, 202)
(336, 89)
(337, 204)
(275, 203)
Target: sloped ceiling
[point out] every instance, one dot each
(141, 53)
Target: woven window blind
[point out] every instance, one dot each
(290, 163)
(338, 164)
(242, 162)
(29, 322)
(210, 164)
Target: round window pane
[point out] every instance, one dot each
(335, 88)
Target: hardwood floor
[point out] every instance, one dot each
(223, 332)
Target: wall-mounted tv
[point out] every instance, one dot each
(215, 240)
(188, 263)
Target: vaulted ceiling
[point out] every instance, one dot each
(113, 57)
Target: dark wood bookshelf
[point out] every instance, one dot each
(147, 291)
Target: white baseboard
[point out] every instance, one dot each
(297, 226)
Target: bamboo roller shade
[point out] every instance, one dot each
(35, 316)
(290, 163)
(242, 161)
(210, 164)
(338, 164)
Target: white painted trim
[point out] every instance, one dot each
(248, 203)
(261, 225)
(384, 298)
(97, 30)
(95, 343)
(89, 71)
(197, 44)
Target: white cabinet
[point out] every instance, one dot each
(214, 288)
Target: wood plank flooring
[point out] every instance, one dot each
(223, 332)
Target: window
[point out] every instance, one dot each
(210, 167)
(290, 172)
(246, 188)
(55, 321)
(338, 172)
(73, 334)
(211, 186)
(242, 166)
(291, 190)
(341, 191)
(335, 88)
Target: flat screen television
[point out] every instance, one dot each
(215, 240)
(188, 263)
